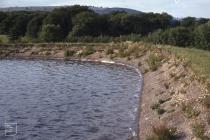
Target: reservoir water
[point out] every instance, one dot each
(67, 100)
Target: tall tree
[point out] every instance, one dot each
(51, 33)
(202, 36)
(34, 26)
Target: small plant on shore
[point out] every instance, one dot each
(139, 64)
(68, 53)
(154, 61)
(123, 51)
(198, 130)
(162, 132)
(161, 111)
(208, 120)
(190, 111)
(206, 102)
(155, 106)
(166, 85)
(158, 109)
(88, 51)
(161, 101)
(109, 51)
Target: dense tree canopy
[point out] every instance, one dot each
(202, 36)
(69, 23)
(34, 25)
(51, 33)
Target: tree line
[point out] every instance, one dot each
(79, 23)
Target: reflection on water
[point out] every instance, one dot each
(58, 100)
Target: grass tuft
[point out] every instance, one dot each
(162, 132)
(154, 61)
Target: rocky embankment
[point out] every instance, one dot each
(173, 104)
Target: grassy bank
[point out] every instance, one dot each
(198, 60)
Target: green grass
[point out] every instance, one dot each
(199, 60)
(4, 39)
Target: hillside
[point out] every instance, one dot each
(99, 10)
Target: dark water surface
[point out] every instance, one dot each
(58, 100)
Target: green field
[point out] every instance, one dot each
(199, 60)
(4, 39)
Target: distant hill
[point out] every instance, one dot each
(98, 10)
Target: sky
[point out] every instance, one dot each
(177, 8)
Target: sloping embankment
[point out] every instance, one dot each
(173, 96)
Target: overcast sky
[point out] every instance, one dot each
(178, 8)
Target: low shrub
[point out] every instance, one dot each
(161, 111)
(162, 132)
(155, 106)
(206, 101)
(88, 51)
(208, 120)
(190, 111)
(109, 51)
(158, 109)
(161, 101)
(154, 61)
(68, 53)
(166, 85)
(198, 130)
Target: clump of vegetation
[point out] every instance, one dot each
(158, 109)
(155, 106)
(198, 130)
(87, 51)
(190, 111)
(122, 51)
(69, 53)
(206, 101)
(4, 39)
(161, 111)
(109, 51)
(208, 120)
(166, 85)
(162, 132)
(161, 101)
(154, 61)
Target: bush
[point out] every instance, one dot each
(68, 53)
(51, 33)
(179, 36)
(202, 36)
(154, 61)
(155, 106)
(199, 130)
(87, 51)
(161, 101)
(4, 39)
(162, 132)
(190, 111)
(206, 101)
(161, 111)
(109, 51)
